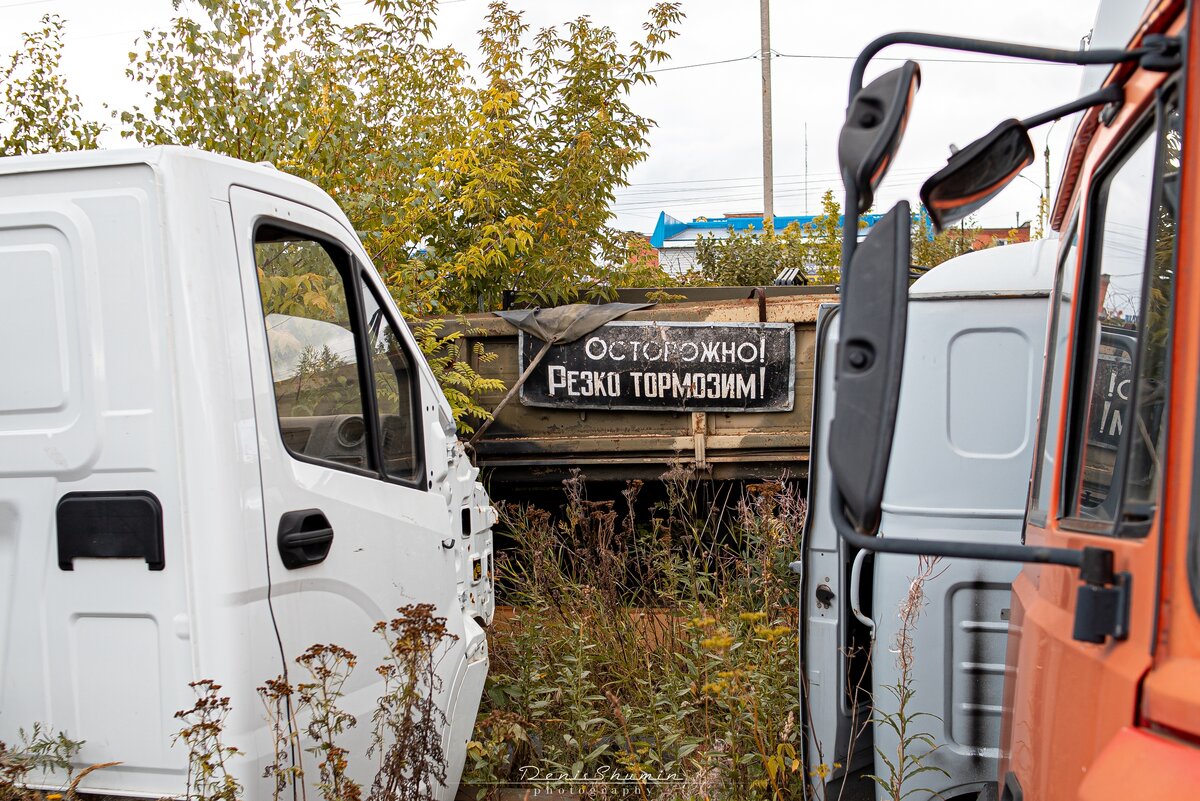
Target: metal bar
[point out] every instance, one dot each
(988, 552)
(988, 47)
(699, 432)
(1109, 94)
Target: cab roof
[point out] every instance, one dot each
(186, 168)
(1023, 269)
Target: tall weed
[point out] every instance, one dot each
(655, 652)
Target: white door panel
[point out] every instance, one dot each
(388, 546)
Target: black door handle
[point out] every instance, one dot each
(305, 538)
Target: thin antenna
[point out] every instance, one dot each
(806, 168)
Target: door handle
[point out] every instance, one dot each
(855, 581)
(305, 538)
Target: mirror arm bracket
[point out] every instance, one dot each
(1109, 94)
(966, 44)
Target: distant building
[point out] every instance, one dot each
(675, 240)
(989, 237)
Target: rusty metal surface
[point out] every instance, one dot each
(526, 443)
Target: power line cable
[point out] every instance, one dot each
(835, 57)
(636, 191)
(26, 3)
(728, 192)
(704, 64)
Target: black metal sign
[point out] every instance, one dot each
(665, 366)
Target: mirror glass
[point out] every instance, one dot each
(873, 317)
(977, 173)
(873, 129)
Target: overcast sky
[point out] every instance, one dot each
(705, 155)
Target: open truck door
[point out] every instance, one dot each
(368, 502)
(834, 644)
(964, 434)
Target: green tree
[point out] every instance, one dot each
(522, 201)
(459, 188)
(823, 240)
(38, 112)
(463, 188)
(930, 250)
(750, 258)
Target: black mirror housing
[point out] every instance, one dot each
(874, 126)
(977, 173)
(870, 359)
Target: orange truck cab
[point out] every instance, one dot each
(1102, 688)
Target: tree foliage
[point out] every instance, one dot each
(754, 258)
(930, 249)
(38, 112)
(523, 200)
(461, 187)
(642, 268)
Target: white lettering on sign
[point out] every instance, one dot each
(667, 366)
(597, 349)
(603, 384)
(723, 386)
(583, 383)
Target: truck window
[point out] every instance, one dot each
(1054, 378)
(314, 362)
(1149, 409)
(1125, 334)
(394, 387)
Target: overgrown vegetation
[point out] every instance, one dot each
(754, 258)
(912, 745)
(659, 654)
(38, 112)
(654, 656)
(407, 723)
(39, 751)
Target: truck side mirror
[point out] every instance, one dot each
(874, 316)
(873, 129)
(974, 175)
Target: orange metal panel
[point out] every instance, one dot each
(1140, 764)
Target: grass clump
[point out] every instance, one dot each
(656, 654)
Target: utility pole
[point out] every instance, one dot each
(1044, 211)
(768, 160)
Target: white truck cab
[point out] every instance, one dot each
(959, 470)
(219, 445)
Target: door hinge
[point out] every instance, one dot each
(1102, 602)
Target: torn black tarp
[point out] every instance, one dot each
(563, 324)
(556, 326)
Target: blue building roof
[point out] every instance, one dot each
(668, 227)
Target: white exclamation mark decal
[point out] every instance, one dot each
(762, 371)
